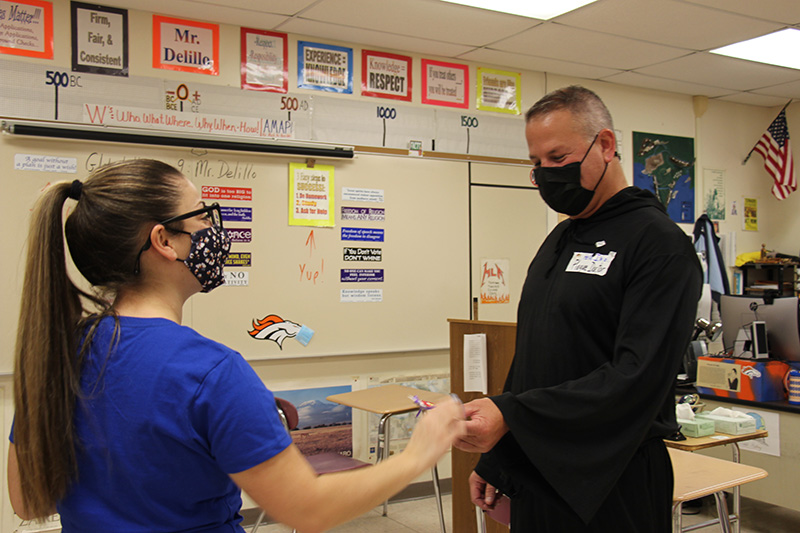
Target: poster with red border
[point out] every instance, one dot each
(445, 84)
(265, 61)
(26, 28)
(185, 45)
(385, 75)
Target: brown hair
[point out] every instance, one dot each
(587, 108)
(118, 205)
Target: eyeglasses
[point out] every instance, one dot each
(213, 213)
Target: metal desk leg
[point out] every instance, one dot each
(677, 519)
(383, 445)
(437, 490)
(722, 511)
(736, 518)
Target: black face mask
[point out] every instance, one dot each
(561, 189)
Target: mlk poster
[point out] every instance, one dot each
(324, 67)
(664, 165)
(26, 28)
(311, 195)
(714, 193)
(99, 39)
(499, 91)
(385, 75)
(265, 61)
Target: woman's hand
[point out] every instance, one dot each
(436, 431)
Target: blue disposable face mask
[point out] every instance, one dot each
(561, 188)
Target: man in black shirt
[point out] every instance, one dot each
(606, 312)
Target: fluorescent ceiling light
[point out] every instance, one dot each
(779, 48)
(538, 9)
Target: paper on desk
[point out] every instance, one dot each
(475, 376)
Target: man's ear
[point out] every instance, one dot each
(607, 140)
(161, 242)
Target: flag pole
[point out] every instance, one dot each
(754, 146)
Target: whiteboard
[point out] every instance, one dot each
(425, 254)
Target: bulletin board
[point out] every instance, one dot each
(295, 271)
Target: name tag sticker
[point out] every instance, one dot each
(589, 263)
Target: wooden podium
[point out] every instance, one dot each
(500, 342)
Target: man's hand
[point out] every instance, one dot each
(485, 426)
(482, 493)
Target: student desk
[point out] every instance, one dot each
(698, 475)
(387, 401)
(692, 444)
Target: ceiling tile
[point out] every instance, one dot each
(754, 99)
(668, 22)
(210, 12)
(662, 84)
(784, 90)
(378, 39)
(783, 11)
(720, 71)
(587, 47)
(439, 21)
(536, 64)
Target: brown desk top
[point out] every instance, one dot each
(692, 444)
(388, 399)
(698, 475)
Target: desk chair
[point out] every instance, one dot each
(322, 463)
(501, 513)
(700, 475)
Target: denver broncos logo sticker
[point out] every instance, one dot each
(274, 328)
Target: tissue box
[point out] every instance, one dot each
(745, 379)
(697, 427)
(730, 425)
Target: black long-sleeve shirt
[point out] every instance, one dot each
(606, 312)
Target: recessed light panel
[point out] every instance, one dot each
(538, 9)
(779, 48)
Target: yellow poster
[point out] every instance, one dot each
(311, 195)
(750, 218)
(499, 91)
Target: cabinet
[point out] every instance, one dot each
(757, 278)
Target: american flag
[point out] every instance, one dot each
(774, 148)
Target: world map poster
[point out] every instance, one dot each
(664, 165)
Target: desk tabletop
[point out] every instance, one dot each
(698, 475)
(387, 399)
(717, 439)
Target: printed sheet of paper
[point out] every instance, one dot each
(475, 375)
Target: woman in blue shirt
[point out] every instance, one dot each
(127, 421)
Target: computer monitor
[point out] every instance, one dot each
(780, 316)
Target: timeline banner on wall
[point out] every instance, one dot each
(265, 61)
(311, 198)
(99, 39)
(445, 84)
(385, 75)
(499, 91)
(185, 45)
(324, 67)
(26, 28)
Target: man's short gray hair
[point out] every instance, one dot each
(587, 108)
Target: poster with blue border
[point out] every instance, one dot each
(664, 165)
(324, 67)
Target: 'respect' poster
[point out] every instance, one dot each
(385, 75)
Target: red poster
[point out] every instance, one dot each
(185, 45)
